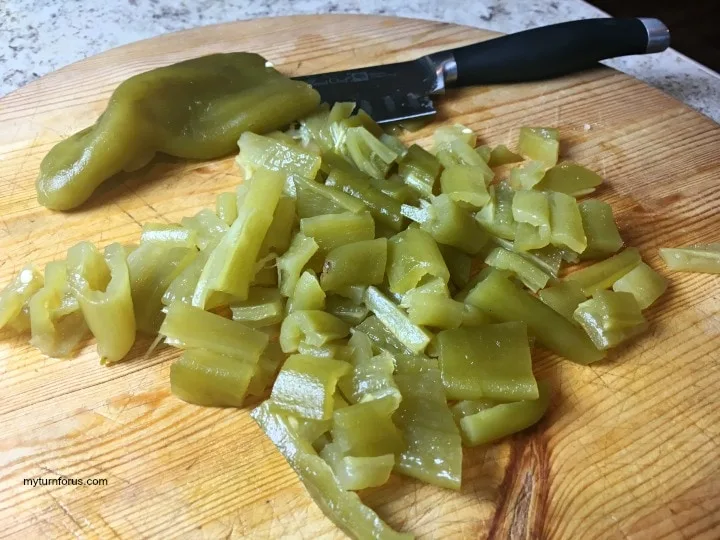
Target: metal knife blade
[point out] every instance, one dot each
(388, 93)
(401, 91)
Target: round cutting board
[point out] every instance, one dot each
(630, 446)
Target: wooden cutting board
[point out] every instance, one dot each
(630, 447)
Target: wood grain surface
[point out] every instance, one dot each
(629, 448)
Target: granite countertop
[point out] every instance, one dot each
(37, 36)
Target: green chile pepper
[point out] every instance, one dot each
(194, 109)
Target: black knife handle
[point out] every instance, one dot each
(555, 50)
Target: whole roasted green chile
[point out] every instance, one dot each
(194, 109)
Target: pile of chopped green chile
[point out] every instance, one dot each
(386, 297)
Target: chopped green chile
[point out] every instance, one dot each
(283, 137)
(473, 316)
(182, 288)
(333, 230)
(362, 347)
(366, 428)
(539, 144)
(504, 301)
(566, 225)
(527, 176)
(370, 379)
(56, 329)
(466, 185)
(363, 119)
(386, 323)
(433, 453)
(267, 367)
(189, 327)
(394, 187)
(340, 111)
(428, 286)
(337, 350)
(263, 307)
(644, 283)
(279, 234)
(459, 265)
(448, 224)
(493, 422)
(461, 295)
(383, 208)
(548, 258)
(496, 216)
(419, 169)
(344, 508)
(15, 296)
(412, 336)
(369, 153)
(432, 349)
(56, 276)
(531, 207)
(308, 294)
(355, 473)
(345, 309)
(568, 255)
(446, 134)
(531, 237)
(258, 152)
(153, 267)
(603, 238)
(208, 228)
(265, 277)
(336, 159)
(358, 263)
(491, 361)
(231, 268)
(210, 379)
(564, 297)
(412, 364)
(570, 178)
(603, 274)
(610, 318)
(394, 143)
(468, 407)
(532, 277)
(311, 430)
(290, 265)
(171, 235)
(102, 288)
(226, 207)
(412, 255)
(315, 199)
(381, 337)
(306, 384)
(356, 293)
(457, 152)
(618, 310)
(484, 152)
(703, 258)
(502, 155)
(316, 126)
(195, 109)
(434, 310)
(314, 327)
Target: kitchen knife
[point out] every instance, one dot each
(401, 91)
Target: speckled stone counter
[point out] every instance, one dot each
(38, 36)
